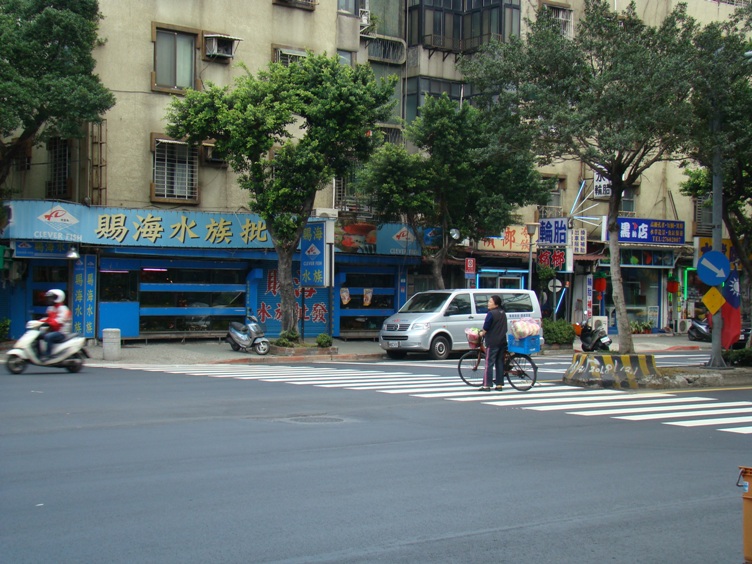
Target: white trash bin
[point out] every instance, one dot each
(111, 344)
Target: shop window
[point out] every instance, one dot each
(50, 275)
(118, 286)
(175, 172)
(174, 58)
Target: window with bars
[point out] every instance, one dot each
(288, 56)
(564, 17)
(704, 215)
(175, 172)
(58, 181)
(174, 59)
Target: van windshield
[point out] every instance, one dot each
(425, 303)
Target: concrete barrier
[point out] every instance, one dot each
(111, 344)
(621, 371)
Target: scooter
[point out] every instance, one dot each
(69, 354)
(699, 330)
(247, 336)
(594, 339)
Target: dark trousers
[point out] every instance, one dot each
(51, 339)
(494, 363)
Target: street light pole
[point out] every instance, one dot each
(531, 227)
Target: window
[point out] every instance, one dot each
(288, 56)
(564, 17)
(418, 87)
(627, 201)
(553, 207)
(703, 215)
(175, 171)
(348, 6)
(58, 183)
(174, 59)
(346, 57)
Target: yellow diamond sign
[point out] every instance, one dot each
(713, 300)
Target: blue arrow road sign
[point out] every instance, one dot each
(713, 268)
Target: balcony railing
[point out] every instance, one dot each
(550, 211)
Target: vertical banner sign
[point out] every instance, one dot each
(314, 260)
(470, 266)
(84, 296)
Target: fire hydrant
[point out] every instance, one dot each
(745, 476)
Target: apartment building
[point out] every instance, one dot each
(154, 237)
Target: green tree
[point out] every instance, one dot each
(286, 132)
(466, 176)
(616, 98)
(47, 83)
(722, 99)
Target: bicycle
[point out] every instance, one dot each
(519, 369)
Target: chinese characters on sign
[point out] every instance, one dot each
(84, 295)
(555, 258)
(656, 231)
(579, 241)
(601, 187)
(313, 256)
(552, 232)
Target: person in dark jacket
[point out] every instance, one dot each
(495, 336)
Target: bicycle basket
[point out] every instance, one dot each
(473, 338)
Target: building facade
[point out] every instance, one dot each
(163, 240)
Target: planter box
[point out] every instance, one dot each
(302, 351)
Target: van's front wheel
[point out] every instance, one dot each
(439, 348)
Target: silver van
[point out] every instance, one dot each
(435, 321)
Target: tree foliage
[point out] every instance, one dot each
(722, 104)
(286, 132)
(47, 83)
(466, 176)
(616, 98)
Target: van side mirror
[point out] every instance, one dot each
(453, 309)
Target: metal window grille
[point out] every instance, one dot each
(59, 168)
(703, 215)
(564, 17)
(289, 56)
(175, 170)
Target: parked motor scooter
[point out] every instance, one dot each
(247, 336)
(69, 354)
(594, 339)
(699, 330)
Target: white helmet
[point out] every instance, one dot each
(57, 296)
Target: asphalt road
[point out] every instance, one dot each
(261, 464)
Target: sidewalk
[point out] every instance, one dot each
(215, 351)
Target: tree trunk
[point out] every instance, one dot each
(626, 345)
(288, 306)
(437, 264)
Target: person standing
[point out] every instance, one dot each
(58, 318)
(495, 334)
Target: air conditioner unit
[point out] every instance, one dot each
(211, 155)
(220, 46)
(599, 321)
(329, 213)
(684, 325)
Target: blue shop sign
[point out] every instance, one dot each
(552, 231)
(313, 263)
(656, 231)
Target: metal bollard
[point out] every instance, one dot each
(111, 344)
(745, 474)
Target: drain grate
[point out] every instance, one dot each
(315, 419)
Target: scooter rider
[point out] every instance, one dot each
(58, 317)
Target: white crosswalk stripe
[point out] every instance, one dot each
(662, 407)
